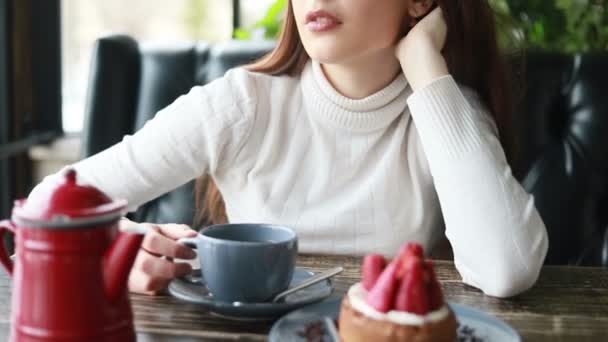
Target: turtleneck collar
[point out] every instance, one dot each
(370, 113)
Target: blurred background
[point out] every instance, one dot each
(567, 25)
(145, 20)
(75, 76)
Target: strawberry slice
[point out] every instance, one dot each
(413, 248)
(382, 295)
(434, 288)
(409, 251)
(412, 296)
(373, 265)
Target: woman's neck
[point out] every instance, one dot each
(363, 76)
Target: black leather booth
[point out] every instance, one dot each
(562, 129)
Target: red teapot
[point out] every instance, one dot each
(72, 265)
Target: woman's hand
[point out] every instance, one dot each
(151, 273)
(419, 52)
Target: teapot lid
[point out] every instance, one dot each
(66, 204)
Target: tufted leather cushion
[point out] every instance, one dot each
(561, 124)
(112, 93)
(561, 128)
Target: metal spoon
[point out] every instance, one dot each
(308, 282)
(331, 329)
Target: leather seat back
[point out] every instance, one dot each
(562, 127)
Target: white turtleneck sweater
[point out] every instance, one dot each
(349, 176)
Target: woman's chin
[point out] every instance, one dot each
(327, 54)
(334, 54)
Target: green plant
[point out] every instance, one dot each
(560, 25)
(269, 27)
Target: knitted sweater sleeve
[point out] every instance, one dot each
(498, 238)
(197, 134)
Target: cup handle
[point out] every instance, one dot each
(196, 276)
(6, 226)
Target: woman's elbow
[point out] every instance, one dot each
(510, 279)
(509, 283)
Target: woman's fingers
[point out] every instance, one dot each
(435, 27)
(151, 274)
(157, 242)
(159, 267)
(142, 283)
(176, 231)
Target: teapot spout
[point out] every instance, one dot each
(118, 260)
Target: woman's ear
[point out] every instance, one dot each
(419, 8)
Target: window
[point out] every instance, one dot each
(4, 107)
(29, 89)
(145, 20)
(252, 11)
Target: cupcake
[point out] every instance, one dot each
(401, 301)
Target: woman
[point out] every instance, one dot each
(369, 124)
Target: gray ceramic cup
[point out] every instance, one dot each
(246, 262)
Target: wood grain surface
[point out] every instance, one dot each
(567, 304)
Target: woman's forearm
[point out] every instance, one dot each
(497, 235)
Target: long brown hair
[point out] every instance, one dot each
(472, 54)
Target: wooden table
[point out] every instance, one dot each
(567, 304)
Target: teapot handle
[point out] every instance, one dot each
(6, 226)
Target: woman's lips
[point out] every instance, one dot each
(321, 21)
